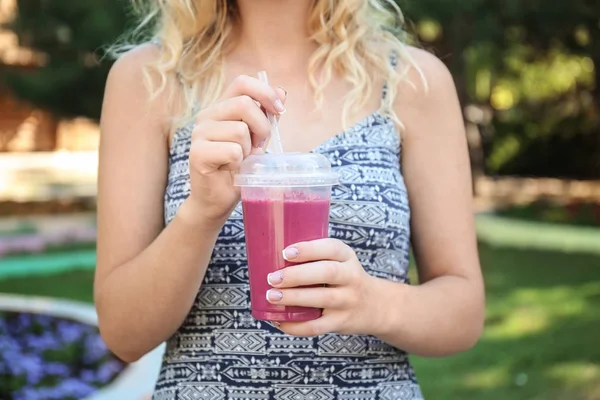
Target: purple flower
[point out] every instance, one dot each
(4, 248)
(88, 376)
(84, 235)
(74, 388)
(24, 320)
(58, 238)
(44, 320)
(26, 393)
(29, 365)
(70, 331)
(43, 342)
(27, 243)
(95, 348)
(56, 369)
(25, 341)
(108, 370)
(7, 344)
(10, 353)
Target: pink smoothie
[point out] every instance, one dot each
(270, 227)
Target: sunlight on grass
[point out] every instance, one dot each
(521, 321)
(575, 374)
(543, 316)
(529, 311)
(501, 231)
(488, 378)
(542, 339)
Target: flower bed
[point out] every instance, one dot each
(48, 207)
(34, 242)
(46, 357)
(573, 213)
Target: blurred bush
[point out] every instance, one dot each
(530, 70)
(70, 35)
(526, 72)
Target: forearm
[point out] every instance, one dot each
(142, 302)
(441, 317)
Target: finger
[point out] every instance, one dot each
(267, 96)
(318, 297)
(207, 157)
(240, 108)
(281, 93)
(225, 131)
(314, 273)
(320, 326)
(315, 250)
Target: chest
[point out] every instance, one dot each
(369, 211)
(311, 120)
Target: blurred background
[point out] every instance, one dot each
(528, 77)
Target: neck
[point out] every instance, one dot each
(273, 34)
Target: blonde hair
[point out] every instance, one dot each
(356, 39)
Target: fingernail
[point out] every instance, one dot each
(284, 91)
(261, 145)
(276, 324)
(278, 105)
(275, 278)
(274, 295)
(290, 253)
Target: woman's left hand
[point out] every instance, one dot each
(349, 301)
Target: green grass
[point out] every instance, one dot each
(542, 340)
(542, 337)
(47, 264)
(530, 235)
(74, 285)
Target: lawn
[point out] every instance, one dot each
(542, 337)
(542, 340)
(74, 285)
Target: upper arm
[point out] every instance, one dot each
(133, 163)
(436, 168)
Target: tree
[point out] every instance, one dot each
(534, 64)
(514, 61)
(70, 35)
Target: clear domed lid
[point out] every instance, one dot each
(287, 169)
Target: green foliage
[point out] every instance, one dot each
(542, 323)
(575, 213)
(534, 63)
(71, 35)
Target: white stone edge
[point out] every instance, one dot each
(136, 382)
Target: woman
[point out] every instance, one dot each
(181, 113)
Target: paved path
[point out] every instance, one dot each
(39, 176)
(44, 176)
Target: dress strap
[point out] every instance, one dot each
(393, 60)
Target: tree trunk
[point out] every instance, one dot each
(46, 137)
(452, 45)
(596, 96)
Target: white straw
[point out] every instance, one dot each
(275, 137)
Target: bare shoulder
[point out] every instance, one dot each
(428, 73)
(427, 91)
(132, 63)
(128, 88)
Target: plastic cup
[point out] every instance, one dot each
(285, 200)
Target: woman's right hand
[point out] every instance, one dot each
(223, 136)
